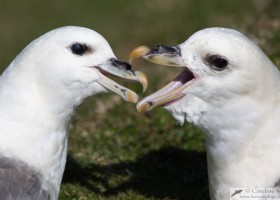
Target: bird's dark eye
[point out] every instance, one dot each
(217, 62)
(79, 49)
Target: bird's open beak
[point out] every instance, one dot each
(164, 55)
(123, 70)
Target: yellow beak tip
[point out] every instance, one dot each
(142, 108)
(138, 52)
(132, 97)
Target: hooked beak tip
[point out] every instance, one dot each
(132, 97)
(142, 78)
(138, 52)
(143, 107)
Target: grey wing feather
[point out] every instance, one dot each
(20, 182)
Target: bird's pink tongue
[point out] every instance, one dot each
(167, 94)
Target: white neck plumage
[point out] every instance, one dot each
(242, 144)
(35, 124)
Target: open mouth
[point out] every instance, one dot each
(124, 71)
(172, 92)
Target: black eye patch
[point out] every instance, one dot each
(79, 49)
(216, 62)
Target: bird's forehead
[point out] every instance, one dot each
(215, 34)
(68, 35)
(215, 40)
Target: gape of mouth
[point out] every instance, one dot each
(113, 76)
(105, 73)
(185, 77)
(174, 88)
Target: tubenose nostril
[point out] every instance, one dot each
(120, 64)
(159, 46)
(170, 49)
(127, 66)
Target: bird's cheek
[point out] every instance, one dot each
(87, 90)
(96, 88)
(88, 75)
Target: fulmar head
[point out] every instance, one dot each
(220, 67)
(75, 60)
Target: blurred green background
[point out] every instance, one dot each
(114, 152)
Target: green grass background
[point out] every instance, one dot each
(114, 152)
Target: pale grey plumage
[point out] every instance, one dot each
(18, 181)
